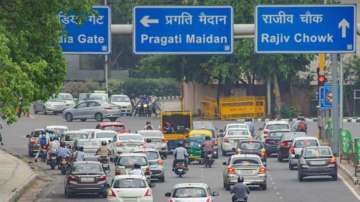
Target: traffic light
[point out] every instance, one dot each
(321, 80)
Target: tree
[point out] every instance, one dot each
(32, 66)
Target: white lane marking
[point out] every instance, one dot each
(357, 196)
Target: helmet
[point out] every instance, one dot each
(180, 144)
(103, 143)
(207, 138)
(240, 179)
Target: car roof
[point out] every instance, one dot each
(305, 138)
(149, 131)
(119, 95)
(184, 185)
(236, 124)
(130, 134)
(109, 123)
(147, 150)
(133, 154)
(86, 162)
(74, 131)
(245, 156)
(56, 126)
(129, 176)
(105, 131)
(276, 122)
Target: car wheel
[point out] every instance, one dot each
(300, 176)
(162, 179)
(263, 186)
(335, 177)
(291, 167)
(98, 117)
(226, 186)
(67, 193)
(68, 117)
(83, 120)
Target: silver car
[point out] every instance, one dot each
(156, 164)
(71, 136)
(123, 102)
(92, 110)
(157, 140)
(249, 166)
(125, 143)
(55, 105)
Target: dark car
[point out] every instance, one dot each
(285, 144)
(86, 177)
(33, 143)
(253, 147)
(317, 161)
(272, 141)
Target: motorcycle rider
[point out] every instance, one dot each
(148, 126)
(208, 147)
(240, 190)
(79, 154)
(103, 150)
(180, 155)
(148, 143)
(63, 151)
(54, 145)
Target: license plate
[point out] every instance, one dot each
(318, 162)
(246, 172)
(87, 179)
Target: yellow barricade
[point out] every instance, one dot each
(242, 107)
(209, 109)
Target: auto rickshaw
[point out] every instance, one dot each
(193, 146)
(204, 133)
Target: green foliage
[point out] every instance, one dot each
(160, 87)
(287, 112)
(32, 66)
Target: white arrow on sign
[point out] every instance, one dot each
(146, 21)
(343, 25)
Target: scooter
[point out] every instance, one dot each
(180, 168)
(52, 161)
(104, 160)
(209, 160)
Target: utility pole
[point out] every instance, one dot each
(268, 96)
(335, 104)
(106, 71)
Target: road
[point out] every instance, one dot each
(282, 183)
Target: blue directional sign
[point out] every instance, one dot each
(325, 97)
(93, 36)
(305, 28)
(183, 30)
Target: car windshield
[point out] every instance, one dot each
(292, 135)
(245, 162)
(97, 97)
(75, 136)
(132, 160)
(152, 155)
(250, 145)
(104, 135)
(203, 125)
(114, 128)
(86, 168)
(190, 192)
(129, 183)
(65, 97)
(279, 126)
(151, 134)
(237, 126)
(120, 99)
(305, 143)
(130, 137)
(238, 133)
(275, 135)
(317, 152)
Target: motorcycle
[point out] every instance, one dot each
(65, 165)
(180, 168)
(52, 161)
(104, 160)
(43, 153)
(209, 160)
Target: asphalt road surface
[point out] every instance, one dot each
(282, 183)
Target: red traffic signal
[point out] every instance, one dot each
(321, 80)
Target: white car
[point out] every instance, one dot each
(123, 102)
(274, 126)
(232, 137)
(124, 143)
(157, 140)
(70, 136)
(236, 125)
(130, 188)
(297, 146)
(104, 135)
(59, 130)
(191, 192)
(99, 96)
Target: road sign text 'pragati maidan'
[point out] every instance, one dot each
(183, 30)
(305, 28)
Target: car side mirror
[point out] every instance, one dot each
(214, 193)
(27, 136)
(224, 163)
(167, 194)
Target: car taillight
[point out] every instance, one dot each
(231, 170)
(71, 178)
(163, 140)
(148, 192)
(263, 153)
(208, 199)
(333, 160)
(226, 140)
(284, 144)
(160, 162)
(170, 200)
(147, 171)
(102, 178)
(262, 170)
(292, 150)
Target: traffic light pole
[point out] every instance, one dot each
(335, 104)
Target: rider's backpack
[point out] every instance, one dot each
(43, 140)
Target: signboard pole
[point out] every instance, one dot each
(341, 93)
(335, 104)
